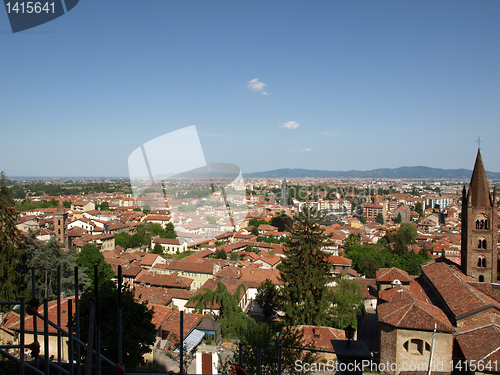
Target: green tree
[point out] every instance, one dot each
(398, 219)
(363, 220)
(305, 271)
(138, 332)
(267, 297)
(406, 235)
(10, 246)
(220, 254)
(136, 240)
(104, 206)
(234, 256)
(370, 267)
(157, 249)
(212, 220)
(46, 258)
(90, 256)
(351, 240)
(419, 209)
(265, 337)
(347, 303)
(380, 218)
(123, 239)
(282, 222)
(233, 320)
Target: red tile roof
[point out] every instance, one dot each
(413, 314)
(481, 344)
(454, 289)
(388, 275)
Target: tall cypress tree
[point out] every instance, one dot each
(305, 272)
(10, 245)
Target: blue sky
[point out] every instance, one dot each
(348, 84)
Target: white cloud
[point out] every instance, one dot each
(303, 150)
(256, 86)
(329, 134)
(290, 125)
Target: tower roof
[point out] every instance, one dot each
(479, 190)
(60, 207)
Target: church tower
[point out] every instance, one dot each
(60, 224)
(479, 227)
(285, 200)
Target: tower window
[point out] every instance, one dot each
(483, 262)
(481, 278)
(481, 243)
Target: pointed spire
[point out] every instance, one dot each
(60, 207)
(479, 189)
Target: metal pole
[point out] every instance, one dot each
(240, 354)
(280, 349)
(259, 361)
(70, 336)
(33, 299)
(432, 350)
(182, 342)
(21, 335)
(89, 352)
(120, 338)
(77, 324)
(46, 335)
(59, 317)
(97, 322)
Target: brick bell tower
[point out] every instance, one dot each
(60, 224)
(479, 227)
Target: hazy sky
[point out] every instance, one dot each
(332, 85)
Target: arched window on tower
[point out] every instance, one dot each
(483, 262)
(479, 262)
(482, 222)
(481, 278)
(483, 245)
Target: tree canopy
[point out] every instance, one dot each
(305, 272)
(268, 298)
(347, 303)
(231, 316)
(46, 258)
(138, 330)
(11, 241)
(90, 256)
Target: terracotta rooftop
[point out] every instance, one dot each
(388, 275)
(165, 281)
(481, 344)
(454, 289)
(413, 314)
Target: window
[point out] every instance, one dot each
(481, 243)
(481, 279)
(481, 262)
(416, 346)
(482, 222)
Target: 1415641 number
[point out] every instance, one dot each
(30, 7)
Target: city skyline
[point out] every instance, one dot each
(329, 86)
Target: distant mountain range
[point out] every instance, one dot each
(402, 172)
